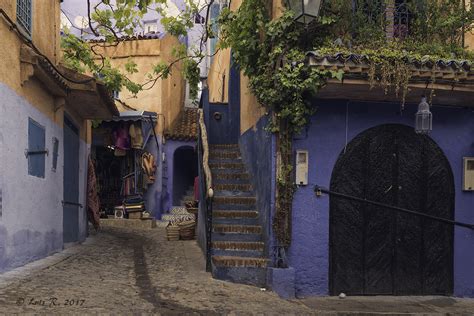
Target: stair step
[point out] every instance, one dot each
(237, 193)
(238, 253)
(223, 146)
(245, 275)
(235, 200)
(236, 237)
(232, 187)
(231, 176)
(235, 245)
(242, 229)
(223, 154)
(226, 165)
(234, 214)
(231, 261)
(236, 221)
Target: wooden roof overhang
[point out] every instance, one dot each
(85, 95)
(453, 82)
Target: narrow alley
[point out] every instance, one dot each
(129, 271)
(132, 271)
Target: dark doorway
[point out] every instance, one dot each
(379, 251)
(71, 182)
(185, 169)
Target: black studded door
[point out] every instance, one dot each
(378, 251)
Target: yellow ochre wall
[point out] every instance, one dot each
(250, 110)
(165, 96)
(45, 37)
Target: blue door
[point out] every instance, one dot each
(71, 182)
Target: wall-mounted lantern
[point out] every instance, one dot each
(305, 10)
(424, 118)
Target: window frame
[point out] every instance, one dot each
(25, 23)
(31, 156)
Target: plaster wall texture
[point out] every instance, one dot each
(45, 25)
(32, 213)
(453, 131)
(166, 96)
(259, 154)
(32, 89)
(218, 79)
(251, 111)
(153, 194)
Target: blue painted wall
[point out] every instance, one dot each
(453, 131)
(166, 198)
(224, 129)
(258, 153)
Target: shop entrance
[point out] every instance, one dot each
(185, 169)
(374, 250)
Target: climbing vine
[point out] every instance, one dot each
(272, 52)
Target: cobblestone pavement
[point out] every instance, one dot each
(124, 271)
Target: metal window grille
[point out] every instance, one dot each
(23, 14)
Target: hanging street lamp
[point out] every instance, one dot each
(305, 10)
(424, 118)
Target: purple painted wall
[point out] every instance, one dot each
(335, 124)
(168, 167)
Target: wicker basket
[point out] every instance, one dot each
(172, 232)
(187, 230)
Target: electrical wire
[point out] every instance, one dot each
(32, 45)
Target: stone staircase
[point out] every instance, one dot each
(237, 241)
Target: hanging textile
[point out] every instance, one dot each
(149, 167)
(121, 137)
(136, 135)
(93, 205)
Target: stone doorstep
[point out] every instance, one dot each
(129, 223)
(236, 245)
(230, 261)
(390, 305)
(242, 229)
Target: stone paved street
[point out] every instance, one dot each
(125, 271)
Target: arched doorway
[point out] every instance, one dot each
(185, 169)
(380, 251)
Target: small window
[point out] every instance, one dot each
(55, 154)
(36, 152)
(23, 14)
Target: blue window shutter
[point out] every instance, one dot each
(36, 142)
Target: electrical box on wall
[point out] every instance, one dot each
(301, 167)
(468, 174)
